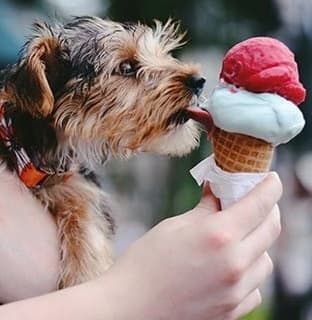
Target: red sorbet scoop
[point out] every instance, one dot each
(263, 64)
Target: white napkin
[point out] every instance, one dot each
(228, 187)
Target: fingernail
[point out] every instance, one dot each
(206, 189)
(273, 174)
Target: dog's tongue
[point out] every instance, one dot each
(202, 116)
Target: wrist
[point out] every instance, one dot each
(118, 300)
(126, 296)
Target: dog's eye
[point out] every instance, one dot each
(128, 68)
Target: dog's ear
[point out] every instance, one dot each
(37, 77)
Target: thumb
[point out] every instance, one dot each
(208, 201)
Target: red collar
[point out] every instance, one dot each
(26, 170)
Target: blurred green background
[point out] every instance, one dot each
(148, 189)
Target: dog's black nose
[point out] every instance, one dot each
(195, 83)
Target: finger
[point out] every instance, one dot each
(262, 238)
(252, 301)
(254, 277)
(254, 208)
(208, 202)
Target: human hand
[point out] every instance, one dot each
(29, 252)
(199, 265)
(196, 266)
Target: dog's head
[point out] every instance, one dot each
(114, 84)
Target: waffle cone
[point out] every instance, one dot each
(235, 152)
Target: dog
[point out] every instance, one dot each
(82, 93)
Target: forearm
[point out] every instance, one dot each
(96, 300)
(29, 252)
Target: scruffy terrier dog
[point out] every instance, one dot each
(81, 93)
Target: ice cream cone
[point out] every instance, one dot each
(235, 152)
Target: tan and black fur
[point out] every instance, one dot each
(82, 93)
